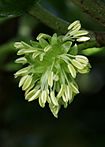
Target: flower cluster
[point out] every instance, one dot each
(51, 65)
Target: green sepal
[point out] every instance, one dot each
(74, 50)
(54, 39)
(66, 46)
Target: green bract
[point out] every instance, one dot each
(52, 65)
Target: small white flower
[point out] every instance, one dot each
(52, 66)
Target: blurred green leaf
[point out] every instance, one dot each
(5, 50)
(12, 67)
(94, 51)
(14, 7)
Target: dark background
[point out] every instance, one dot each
(24, 124)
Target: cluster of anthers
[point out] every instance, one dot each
(50, 67)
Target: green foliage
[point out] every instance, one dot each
(15, 7)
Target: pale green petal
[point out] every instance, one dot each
(42, 56)
(53, 98)
(26, 46)
(35, 96)
(47, 48)
(82, 59)
(25, 51)
(41, 102)
(22, 71)
(84, 70)
(50, 78)
(77, 64)
(74, 88)
(30, 94)
(81, 33)
(43, 98)
(22, 80)
(68, 92)
(34, 55)
(54, 109)
(65, 98)
(77, 27)
(82, 39)
(49, 99)
(73, 32)
(21, 60)
(72, 70)
(61, 91)
(27, 82)
(18, 45)
(56, 77)
(42, 35)
(29, 88)
(75, 23)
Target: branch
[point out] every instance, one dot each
(48, 18)
(59, 24)
(94, 8)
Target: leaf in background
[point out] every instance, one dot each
(14, 7)
(93, 51)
